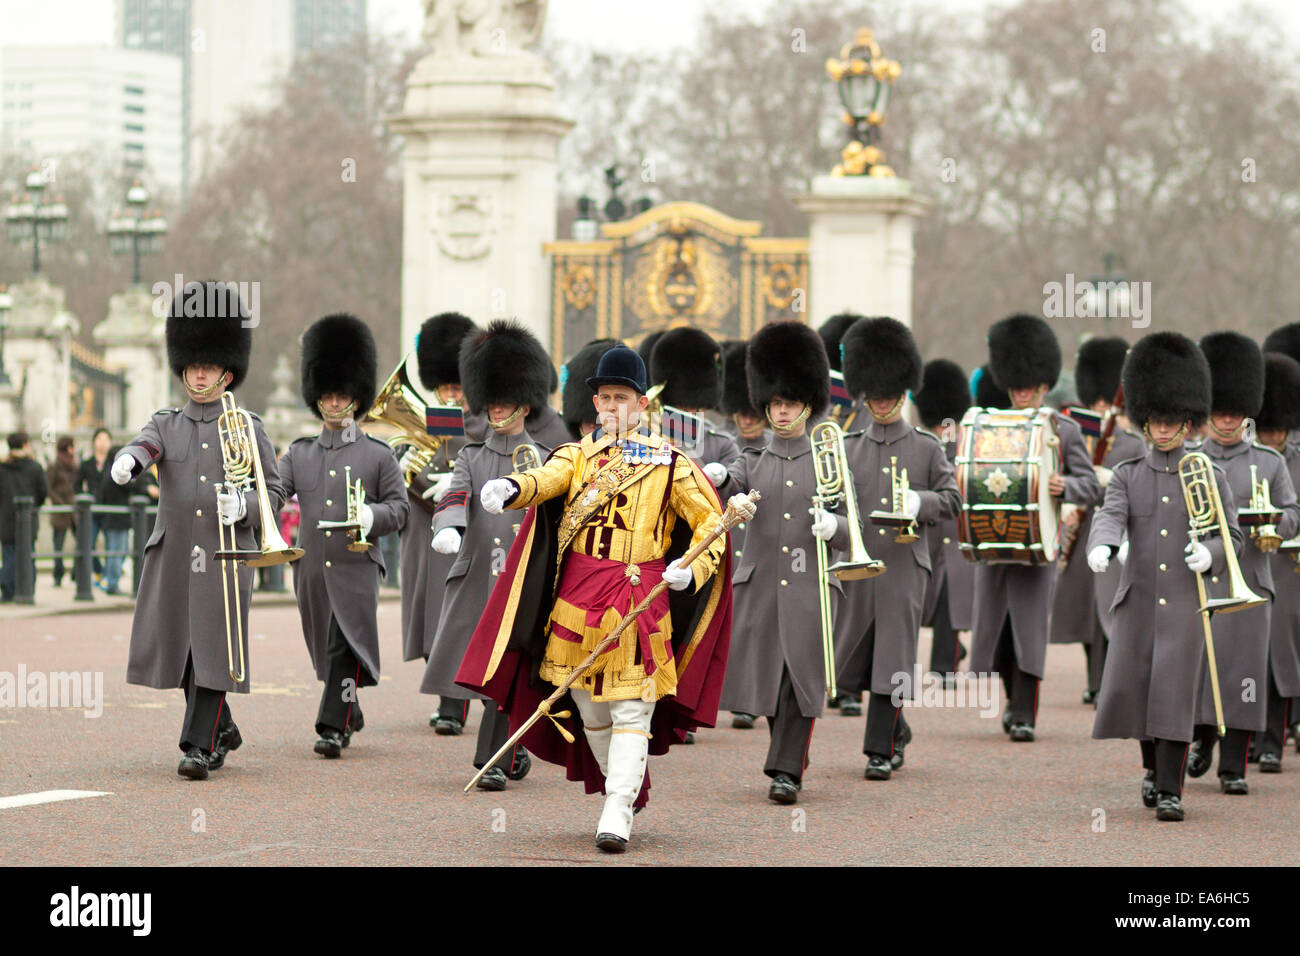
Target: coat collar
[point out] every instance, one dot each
(505, 444)
(789, 448)
(1215, 450)
(887, 434)
(329, 438)
(202, 411)
(1165, 460)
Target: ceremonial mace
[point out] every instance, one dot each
(730, 518)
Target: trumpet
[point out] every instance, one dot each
(242, 466)
(356, 497)
(401, 406)
(1261, 517)
(1204, 515)
(834, 480)
(897, 518)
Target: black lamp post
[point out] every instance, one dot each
(136, 231)
(1109, 291)
(615, 210)
(32, 217)
(864, 79)
(6, 303)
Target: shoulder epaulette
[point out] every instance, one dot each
(929, 434)
(303, 438)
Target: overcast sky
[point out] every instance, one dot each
(621, 24)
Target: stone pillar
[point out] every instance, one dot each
(37, 357)
(285, 418)
(860, 251)
(132, 338)
(479, 169)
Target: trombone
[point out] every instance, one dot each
(1204, 515)
(1261, 517)
(897, 518)
(356, 497)
(242, 466)
(834, 480)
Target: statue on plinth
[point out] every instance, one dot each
(482, 28)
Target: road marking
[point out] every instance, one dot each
(49, 796)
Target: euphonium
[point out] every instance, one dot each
(242, 466)
(1205, 514)
(833, 482)
(401, 406)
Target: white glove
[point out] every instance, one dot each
(823, 525)
(912, 505)
(367, 517)
(438, 488)
(1103, 475)
(677, 576)
(1198, 557)
(716, 472)
(494, 494)
(744, 507)
(405, 460)
(447, 541)
(1122, 556)
(122, 469)
(231, 507)
(1099, 558)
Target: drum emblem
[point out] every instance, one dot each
(997, 483)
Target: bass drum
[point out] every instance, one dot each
(1004, 460)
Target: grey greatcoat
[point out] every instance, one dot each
(1022, 591)
(1077, 589)
(1284, 628)
(892, 601)
(1153, 663)
(776, 622)
(1241, 638)
(181, 611)
(948, 565)
(485, 542)
(1105, 585)
(329, 580)
(738, 532)
(424, 571)
(548, 430)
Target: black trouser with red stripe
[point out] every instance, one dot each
(457, 708)
(791, 734)
(1168, 758)
(1232, 748)
(206, 713)
(339, 705)
(1279, 712)
(493, 732)
(1021, 688)
(883, 718)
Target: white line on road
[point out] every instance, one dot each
(49, 796)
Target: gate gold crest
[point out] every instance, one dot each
(676, 264)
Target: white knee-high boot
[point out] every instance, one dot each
(596, 726)
(628, 747)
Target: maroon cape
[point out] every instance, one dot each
(507, 647)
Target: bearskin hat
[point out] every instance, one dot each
(576, 397)
(943, 394)
(505, 363)
(1236, 373)
(985, 392)
(1097, 368)
(1166, 378)
(1281, 407)
(437, 348)
(881, 359)
(690, 362)
(1285, 340)
(735, 383)
(832, 332)
(788, 360)
(647, 347)
(1023, 352)
(208, 325)
(338, 355)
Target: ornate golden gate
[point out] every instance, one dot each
(676, 264)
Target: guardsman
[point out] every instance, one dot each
(423, 570)
(878, 620)
(608, 519)
(750, 430)
(1153, 668)
(1013, 601)
(179, 635)
(985, 392)
(337, 580)
(505, 373)
(688, 364)
(940, 403)
(776, 667)
(1241, 638)
(832, 332)
(1076, 616)
(1278, 419)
